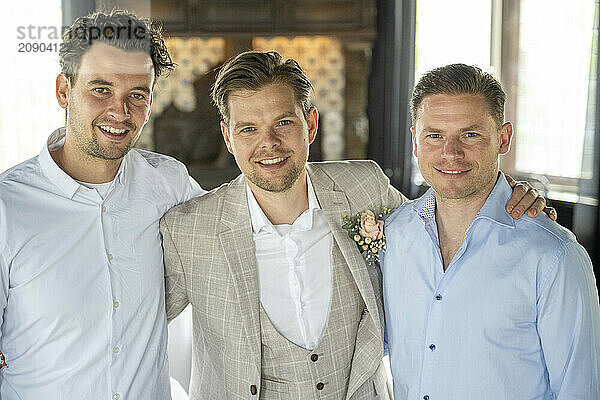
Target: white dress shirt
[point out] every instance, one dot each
(294, 270)
(81, 279)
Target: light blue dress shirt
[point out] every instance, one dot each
(515, 316)
(82, 307)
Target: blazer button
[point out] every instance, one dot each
(253, 390)
(320, 386)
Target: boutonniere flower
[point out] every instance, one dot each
(366, 229)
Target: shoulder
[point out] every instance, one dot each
(349, 169)
(549, 233)
(208, 204)
(159, 163)
(19, 176)
(352, 176)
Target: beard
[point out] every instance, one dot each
(92, 148)
(276, 184)
(89, 145)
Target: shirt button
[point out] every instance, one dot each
(253, 390)
(426, 397)
(314, 357)
(116, 349)
(320, 386)
(432, 347)
(438, 297)
(116, 396)
(110, 256)
(116, 304)
(103, 208)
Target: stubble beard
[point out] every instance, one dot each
(471, 189)
(90, 145)
(277, 185)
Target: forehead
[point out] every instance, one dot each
(106, 61)
(450, 108)
(271, 99)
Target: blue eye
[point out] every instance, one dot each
(471, 134)
(434, 136)
(284, 122)
(246, 130)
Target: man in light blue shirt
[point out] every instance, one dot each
(479, 305)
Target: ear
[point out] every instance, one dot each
(225, 133)
(506, 133)
(63, 90)
(312, 121)
(414, 140)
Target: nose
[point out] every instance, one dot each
(118, 109)
(269, 139)
(452, 149)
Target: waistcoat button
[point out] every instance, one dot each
(253, 390)
(320, 386)
(314, 358)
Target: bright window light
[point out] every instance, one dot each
(451, 32)
(28, 108)
(555, 42)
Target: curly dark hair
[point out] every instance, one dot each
(456, 79)
(118, 28)
(253, 70)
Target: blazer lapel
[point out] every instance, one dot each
(238, 246)
(335, 205)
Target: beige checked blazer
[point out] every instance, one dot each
(210, 262)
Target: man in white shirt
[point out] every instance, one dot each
(283, 304)
(81, 274)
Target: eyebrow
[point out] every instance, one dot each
(102, 82)
(286, 114)
(474, 127)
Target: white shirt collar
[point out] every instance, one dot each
(59, 177)
(260, 221)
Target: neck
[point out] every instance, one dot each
(82, 167)
(283, 207)
(453, 217)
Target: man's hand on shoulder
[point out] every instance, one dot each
(527, 198)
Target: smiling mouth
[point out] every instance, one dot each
(453, 171)
(113, 131)
(272, 161)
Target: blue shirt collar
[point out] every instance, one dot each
(493, 209)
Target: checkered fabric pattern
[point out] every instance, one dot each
(210, 262)
(427, 212)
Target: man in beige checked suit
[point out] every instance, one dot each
(284, 306)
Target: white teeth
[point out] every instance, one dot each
(272, 161)
(112, 130)
(451, 172)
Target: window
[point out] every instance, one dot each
(554, 62)
(28, 108)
